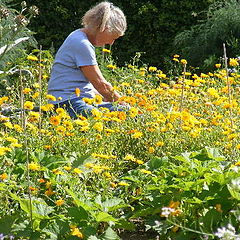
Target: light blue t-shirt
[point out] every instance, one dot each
(66, 75)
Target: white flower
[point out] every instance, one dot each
(228, 233)
(166, 211)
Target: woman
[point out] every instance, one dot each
(75, 65)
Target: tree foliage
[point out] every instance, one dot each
(152, 25)
(203, 43)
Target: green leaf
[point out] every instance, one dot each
(104, 217)
(86, 205)
(93, 238)
(234, 193)
(83, 160)
(113, 204)
(110, 234)
(209, 154)
(39, 209)
(156, 163)
(124, 224)
(2, 186)
(211, 220)
(6, 223)
(78, 213)
(184, 157)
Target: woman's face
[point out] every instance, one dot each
(105, 37)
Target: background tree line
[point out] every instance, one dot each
(156, 28)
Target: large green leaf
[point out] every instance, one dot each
(104, 217)
(78, 213)
(6, 223)
(110, 234)
(79, 161)
(86, 205)
(209, 154)
(37, 208)
(156, 163)
(113, 204)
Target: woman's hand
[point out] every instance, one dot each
(95, 77)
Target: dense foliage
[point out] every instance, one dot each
(152, 25)
(203, 43)
(166, 168)
(14, 35)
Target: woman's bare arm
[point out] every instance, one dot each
(95, 77)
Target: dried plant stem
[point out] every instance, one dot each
(40, 87)
(228, 84)
(22, 113)
(23, 123)
(183, 86)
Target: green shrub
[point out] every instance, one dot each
(203, 43)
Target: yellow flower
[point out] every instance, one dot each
(77, 92)
(176, 56)
(183, 61)
(35, 95)
(4, 150)
(88, 100)
(98, 126)
(113, 185)
(123, 184)
(16, 145)
(47, 107)
(159, 144)
(151, 150)
(152, 69)
(57, 171)
(59, 202)
(47, 147)
(233, 62)
(129, 157)
(11, 139)
(29, 105)
(77, 170)
(145, 171)
(98, 99)
(218, 65)
(49, 192)
(213, 92)
(3, 176)
(140, 162)
(175, 59)
(3, 100)
(106, 50)
(76, 232)
(133, 112)
(173, 204)
(50, 97)
(27, 90)
(67, 168)
(110, 66)
(137, 134)
(32, 58)
(34, 166)
(55, 120)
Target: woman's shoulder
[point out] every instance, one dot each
(79, 37)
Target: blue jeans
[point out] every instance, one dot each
(77, 106)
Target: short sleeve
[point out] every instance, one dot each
(84, 54)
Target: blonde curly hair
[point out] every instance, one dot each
(105, 16)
